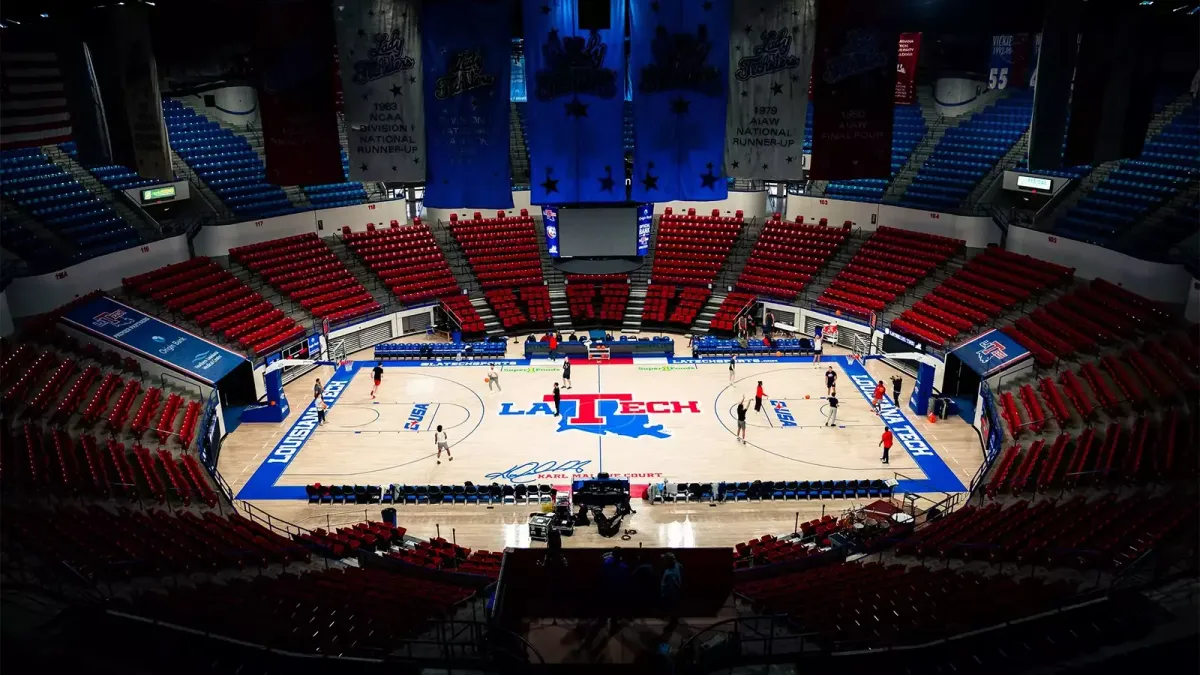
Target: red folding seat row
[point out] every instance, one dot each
(1033, 408)
(1131, 391)
(1094, 378)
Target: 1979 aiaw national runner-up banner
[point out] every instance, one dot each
(770, 59)
(379, 56)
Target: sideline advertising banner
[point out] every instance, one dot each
(154, 339)
(645, 218)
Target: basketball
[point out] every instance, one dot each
(485, 380)
(778, 353)
(806, 397)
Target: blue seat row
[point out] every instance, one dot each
(710, 345)
(440, 350)
(966, 154)
(346, 193)
(1169, 163)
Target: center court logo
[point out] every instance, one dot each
(416, 417)
(118, 318)
(604, 414)
(783, 413)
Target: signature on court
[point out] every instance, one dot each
(529, 471)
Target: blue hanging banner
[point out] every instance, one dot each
(679, 61)
(467, 69)
(550, 222)
(575, 80)
(645, 215)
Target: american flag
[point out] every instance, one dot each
(33, 104)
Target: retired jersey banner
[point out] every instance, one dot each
(138, 110)
(293, 60)
(770, 61)
(575, 85)
(679, 58)
(467, 47)
(854, 75)
(907, 55)
(379, 59)
(1009, 61)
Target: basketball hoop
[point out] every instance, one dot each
(347, 365)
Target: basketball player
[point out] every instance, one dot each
(831, 420)
(741, 421)
(758, 397)
(322, 407)
(441, 440)
(317, 389)
(830, 380)
(377, 375)
(493, 377)
(877, 396)
(897, 382)
(732, 365)
(885, 442)
(552, 341)
(557, 399)
(567, 372)
(818, 347)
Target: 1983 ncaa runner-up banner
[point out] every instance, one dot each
(379, 58)
(770, 60)
(679, 61)
(854, 88)
(575, 79)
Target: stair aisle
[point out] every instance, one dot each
(491, 324)
(368, 279)
(454, 256)
(707, 312)
(821, 281)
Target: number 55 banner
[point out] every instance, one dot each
(1009, 61)
(379, 55)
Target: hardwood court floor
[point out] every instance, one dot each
(654, 422)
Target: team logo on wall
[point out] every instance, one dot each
(991, 350)
(118, 318)
(574, 65)
(681, 63)
(604, 414)
(386, 58)
(465, 73)
(772, 55)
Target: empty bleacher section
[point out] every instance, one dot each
(597, 298)
(967, 153)
(331, 195)
(219, 302)
(304, 269)
(787, 255)
(44, 191)
(894, 604)
(460, 309)
(1169, 163)
(691, 249)
(728, 311)
(407, 260)
(504, 256)
(907, 131)
(886, 266)
(112, 176)
(667, 304)
(226, 162)
(976, 295)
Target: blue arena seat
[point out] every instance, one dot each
(226, 162)
(331, 195)
(967, 153)
(43, 190)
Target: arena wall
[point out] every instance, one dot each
(218, 239)
(28, 296)
(977, 231)
(1158, 281)
(237, 106)
(751, 204)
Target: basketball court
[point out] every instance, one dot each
(656, 420)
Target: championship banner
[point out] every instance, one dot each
(379, 59)
(1060, 46)
(292, 57)
(906, 67)
(84, 102)
(143, 136)
(679, 58)
(467, 47)
(575, 84)
(854, 73)
(770, 64)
